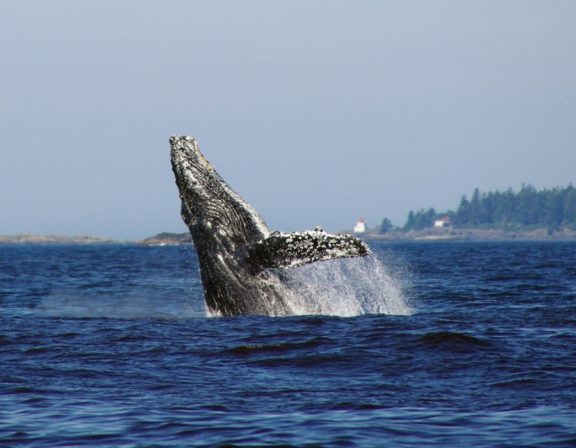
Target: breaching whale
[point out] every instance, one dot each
(241, 261)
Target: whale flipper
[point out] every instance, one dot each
(287, 250)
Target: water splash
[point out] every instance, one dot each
(345, 287)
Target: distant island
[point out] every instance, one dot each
(527, 214)
(29, 238)
(167, 239)
(161, 239)
(470, 234)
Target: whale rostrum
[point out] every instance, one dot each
(241, 260)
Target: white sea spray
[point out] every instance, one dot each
(345, 287)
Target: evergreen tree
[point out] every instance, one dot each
(462, 215)
(409, 221)
(526, 206)
(570, 207)
(554, 210)
(420, 220)
(385, 226)
(475, 208)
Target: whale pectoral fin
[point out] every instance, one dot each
(285, 250)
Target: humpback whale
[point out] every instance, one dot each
(242, 263)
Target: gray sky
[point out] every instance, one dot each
(316, 112)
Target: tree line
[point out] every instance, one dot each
(528, 208)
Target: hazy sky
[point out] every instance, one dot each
(316, 112)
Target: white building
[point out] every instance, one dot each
(442, 222)
(360, 226)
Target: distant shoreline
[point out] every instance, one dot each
(31, 238)
(431, 234)
(473, 234)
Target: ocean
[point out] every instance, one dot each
(425, 344)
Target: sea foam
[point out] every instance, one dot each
(345, 287)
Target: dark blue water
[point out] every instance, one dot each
(110, 346)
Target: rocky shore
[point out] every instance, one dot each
(455, 234)
(167, 239)
(29, 238)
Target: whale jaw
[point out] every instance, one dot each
(240, 259)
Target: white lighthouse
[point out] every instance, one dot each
(360, 226)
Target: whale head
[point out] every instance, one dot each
(210, 208)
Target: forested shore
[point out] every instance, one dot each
(527, 210)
